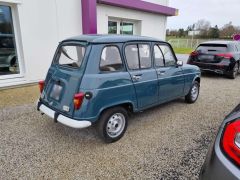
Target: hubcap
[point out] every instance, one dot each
(115, 125)
(194, 92)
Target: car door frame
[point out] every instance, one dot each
(162, 70)
(137, 72)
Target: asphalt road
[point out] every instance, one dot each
(166, 142)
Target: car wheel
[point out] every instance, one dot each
(113, 124)
(234, 72)
(192, 96)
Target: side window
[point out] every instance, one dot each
(111, 59)
(168, 55)
(158, 57)
(145, 56)
(71, 55)
(131, 52)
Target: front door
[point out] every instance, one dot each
(170, 77)
(144, 76)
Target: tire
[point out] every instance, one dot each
(193, 93)
(234, 72)
(113, 124)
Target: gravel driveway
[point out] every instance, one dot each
(166, 142)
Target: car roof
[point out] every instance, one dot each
(98, 38)
(219, 42)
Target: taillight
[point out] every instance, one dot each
(78, 99)
(231, 141)
(41, 85)
(194, 53)
(226, 56)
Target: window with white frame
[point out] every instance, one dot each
(120, 27)
(9, 64)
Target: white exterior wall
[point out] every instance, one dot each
(39, 26)
(148, 24)
(161, 2)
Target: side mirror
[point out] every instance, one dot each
(179, 63)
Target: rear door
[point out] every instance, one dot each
(64, 77)
(144, 77)
(170, 77)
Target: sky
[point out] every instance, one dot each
(218, 12)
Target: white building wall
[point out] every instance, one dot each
(161, 2)
(41, 24)
(148, 24)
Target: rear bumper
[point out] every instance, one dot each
(218, 68)
(63, 119)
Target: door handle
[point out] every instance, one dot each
(160, 72)
(137, 77)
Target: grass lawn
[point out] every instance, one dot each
(183, 50)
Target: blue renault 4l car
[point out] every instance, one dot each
(100, 79)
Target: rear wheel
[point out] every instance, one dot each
(234, 72)
(113, 124)
(192, 96)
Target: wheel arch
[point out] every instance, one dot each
(129, 106)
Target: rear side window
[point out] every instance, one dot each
(138, 56)
(144, 55)
(71, 55)
(212, 48)
(111, 59)
(131, 52)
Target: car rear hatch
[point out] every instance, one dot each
(64, 78)
(209, 53)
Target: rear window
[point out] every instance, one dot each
(71, 55)
(212, 48)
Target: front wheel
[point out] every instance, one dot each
(193, 94)
(113, 124)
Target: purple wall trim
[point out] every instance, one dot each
(142, 6)
(89, 11)
(89, 16)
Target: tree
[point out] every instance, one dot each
(181, 32)
(203, 26)
(228, 30)
(214, 32)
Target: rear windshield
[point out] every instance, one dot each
(71, 55)
(212, 48)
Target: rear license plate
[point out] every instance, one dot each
(56, 92)
(203, 57)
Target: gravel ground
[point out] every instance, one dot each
(166, 142)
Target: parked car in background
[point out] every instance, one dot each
(220, 57)
(223, 159)
(100, 79)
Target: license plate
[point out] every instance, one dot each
(56, 92)
(202, 57)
